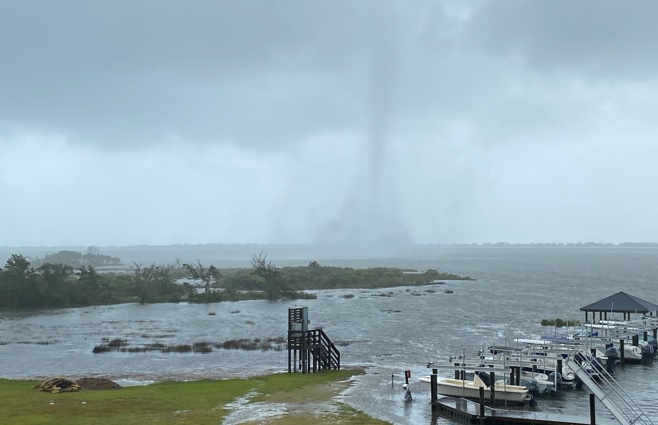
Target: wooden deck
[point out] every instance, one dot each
(468, 412)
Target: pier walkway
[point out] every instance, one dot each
(468, 412)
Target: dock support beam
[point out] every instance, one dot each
(621, 352)
(592, 409)
(433, 385)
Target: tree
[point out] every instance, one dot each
(93, 251)
(55, 277)
(17, 265)
(141, 278)
(21, 284)
(206, 275)
(272, 282)
(89, 277)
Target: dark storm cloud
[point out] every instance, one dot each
(265, 72)
(598, 38)
(126, 72)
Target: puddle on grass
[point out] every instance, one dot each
(127, 382)
(243, 411)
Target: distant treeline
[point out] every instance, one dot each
(61, 285)
(562, 244)
(75, 259)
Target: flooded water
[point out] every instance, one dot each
(387, 330)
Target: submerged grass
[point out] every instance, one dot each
(174, 402)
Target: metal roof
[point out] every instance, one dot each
(621, 302)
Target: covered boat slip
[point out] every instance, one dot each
(623, 303)
(636, 338)
(627, 334)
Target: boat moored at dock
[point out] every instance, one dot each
(470, 389)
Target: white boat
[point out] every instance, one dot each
(611, 332)
(503, 392)
(537, 383)
(533, 357)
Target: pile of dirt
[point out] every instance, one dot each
(97, 384)
(61, 385)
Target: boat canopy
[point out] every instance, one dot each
(621, 302)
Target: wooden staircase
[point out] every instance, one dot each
(313, 351)
(309, 350)
(325, 354)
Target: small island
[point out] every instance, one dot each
(70, 279)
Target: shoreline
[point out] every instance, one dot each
(273, 399)
(177, 377)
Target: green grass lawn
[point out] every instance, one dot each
(192, 402)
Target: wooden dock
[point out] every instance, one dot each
(468, 412)
(471, 412)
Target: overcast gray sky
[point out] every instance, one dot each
(296, 121)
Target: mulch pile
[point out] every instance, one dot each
(61, 385)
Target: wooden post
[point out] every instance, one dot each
(512, 375)
(645, 336)
(493, 388)
(635, 340)
(592, 409)
(518, 375)
(457, 373)
(655, 333)
(621, 352)
(433, 389)
(558, 369)
(481, 402)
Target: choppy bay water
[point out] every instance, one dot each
(386, 330)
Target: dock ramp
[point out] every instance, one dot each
(611, 394)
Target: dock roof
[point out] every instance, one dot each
(621, 302)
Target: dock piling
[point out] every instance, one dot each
(592, 409)
(621, 352)
(433, 389)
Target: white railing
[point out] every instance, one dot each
(609, 392)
